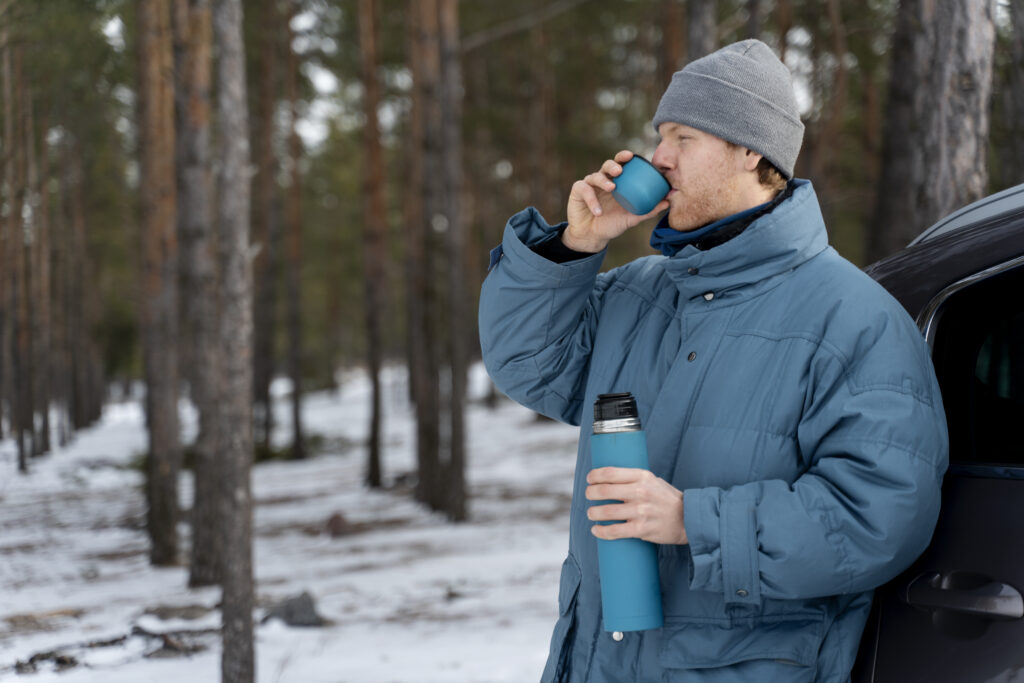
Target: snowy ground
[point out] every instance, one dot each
(410, 597)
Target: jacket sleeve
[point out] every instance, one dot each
(866, 505)
(537, 321)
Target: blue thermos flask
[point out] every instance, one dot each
(630, 590)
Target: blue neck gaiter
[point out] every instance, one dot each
(670, 241)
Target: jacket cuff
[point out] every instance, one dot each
(553, 249)
(528, 228)
(721, 527)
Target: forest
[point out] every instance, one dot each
(204, 197)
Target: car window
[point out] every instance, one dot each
(998, 368)
(979, 360)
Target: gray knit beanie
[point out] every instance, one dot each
(743, 94)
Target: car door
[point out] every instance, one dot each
(957, 614)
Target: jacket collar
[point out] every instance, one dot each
(669, 241)
(778, 241)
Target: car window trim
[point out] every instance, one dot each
(926, 319)
(983, 471)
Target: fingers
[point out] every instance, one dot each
(623, 492)
(613, 532)
(617, 475)
(662, 206)
(600, 181)
(585, 192)
(611, 168)
(613, 512)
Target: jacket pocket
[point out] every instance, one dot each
(791, 641)
(565, 627)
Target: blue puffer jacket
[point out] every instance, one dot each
(783, 390)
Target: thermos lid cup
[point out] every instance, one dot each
(640, 186)
(615, 407)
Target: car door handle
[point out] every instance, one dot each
(966, 593)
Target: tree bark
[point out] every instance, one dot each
(39, 174)
(784, 20)
(542, 162)
(13, 271)
(192, 52)
(1013, 172)
(265, 225)
(754, 19)
(233, 209)
(25, 360)
(63, 246)
(673, 40)
(937, 119)
(160, 274)
(412, 206)
(432, 220)
(6, 175)
(294, 248)
(86, 390)
(374, 234)
(702, 28)
(422, 213)
(453, 491)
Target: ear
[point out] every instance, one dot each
(751, 159)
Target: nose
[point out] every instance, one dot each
(661, 159)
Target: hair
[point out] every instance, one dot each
(769, 176)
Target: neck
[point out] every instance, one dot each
(755, 197)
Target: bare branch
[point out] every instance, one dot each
(523, 23)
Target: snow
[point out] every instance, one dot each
(408, 595)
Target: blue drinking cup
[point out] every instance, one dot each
(640, 186)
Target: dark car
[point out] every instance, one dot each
(956, 614)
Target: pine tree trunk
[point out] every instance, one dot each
(86, 388)
(374, 234)
(160, 274)
(294, 250)
(412, 205)
(937, 119)
(833, 125)
(453, 491)
(784, 21)
(265, 226)
(426, 307)
(418, 212)
(673, 40)
(540, 119)
(39, 179)
(32, 287)
(15, 272)
(23, 273)
(63, 367)
(199, 287)
(233, 211)
(754, 19)
(6, 174)
(1013, 172)
(701, 28)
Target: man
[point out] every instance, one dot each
(794, 424)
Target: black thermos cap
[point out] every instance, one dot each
(615, 407)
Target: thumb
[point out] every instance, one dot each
(661, 206)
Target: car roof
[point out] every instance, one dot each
(1010, 199)
(984, 235)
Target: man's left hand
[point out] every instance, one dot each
(650, 507)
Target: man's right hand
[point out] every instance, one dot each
(595, 218)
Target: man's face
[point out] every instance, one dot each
(706, 175)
